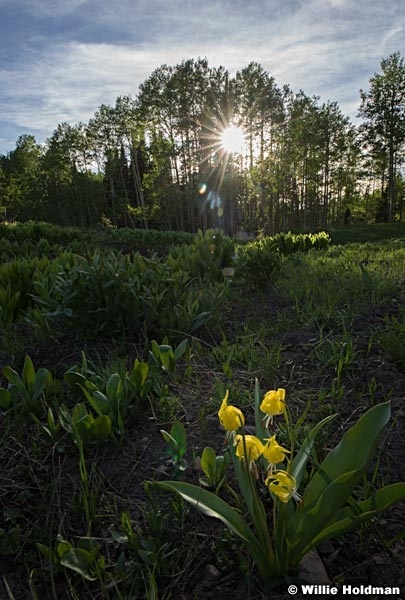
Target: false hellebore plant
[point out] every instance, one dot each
(270, 475)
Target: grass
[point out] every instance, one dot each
(80, 519)
(362, 232)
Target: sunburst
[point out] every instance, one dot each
(232, 140)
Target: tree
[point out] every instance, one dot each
(383, 110)
(23, 190)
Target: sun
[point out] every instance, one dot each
(232, 139)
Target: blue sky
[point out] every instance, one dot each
(61, 59)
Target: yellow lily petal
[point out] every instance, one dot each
(282, 485)
(273, 452)
(273, 402)
(230, 417)
(254, 447)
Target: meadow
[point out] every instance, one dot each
(117, 348)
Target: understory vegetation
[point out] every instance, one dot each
(117, 348)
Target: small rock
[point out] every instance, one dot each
(212, 571)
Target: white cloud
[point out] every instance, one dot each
(325, 47)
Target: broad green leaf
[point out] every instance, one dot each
(28, 374)
(168, 438)
(62, 546)
(208, 459)
(353, 452)
(199, 320)
(79, 413)
(83, 431)
(97, 400)
(114, 386)
(65, 418)
(5, 399)
(81, 561)
(180, 350)
(351, 516)
(13, 377)
(166, 357)
(139, 373)
(43, 378)
(212, 506)
(178, 432)
(100, 429)
(73, 378)
(101, 403)
(336, 478)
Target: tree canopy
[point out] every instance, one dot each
(156, 160)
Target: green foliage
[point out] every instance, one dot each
(205, 257)
(27, 393)
(84, 428)
(120, 294)
(214, 468)
(287, 243)
(16, 285)
(370, 232)
(8, 304)
(84, 558)
(176, 445)
(392, 339)
(258, 263)
(165, 357)
(327, 508)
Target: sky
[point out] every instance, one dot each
(61, 59)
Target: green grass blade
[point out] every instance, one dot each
(299, 463)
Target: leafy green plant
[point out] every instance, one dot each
(327, 507)
(51, 428)
(165, 357)
(27, 391)
(214, 468)
(8, 304)
(112, 393)
(392, 339)
(205, 258)
(176, 445)
(112, 403)
(85, 558)
(85, 429)
(258, 263)
(287, 243)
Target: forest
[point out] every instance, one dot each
(157, 160)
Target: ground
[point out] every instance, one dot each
(374, 555)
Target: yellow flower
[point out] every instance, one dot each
(282, 485)
(273, 404)
(230, 417)
(254, 447)
(273, 452)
